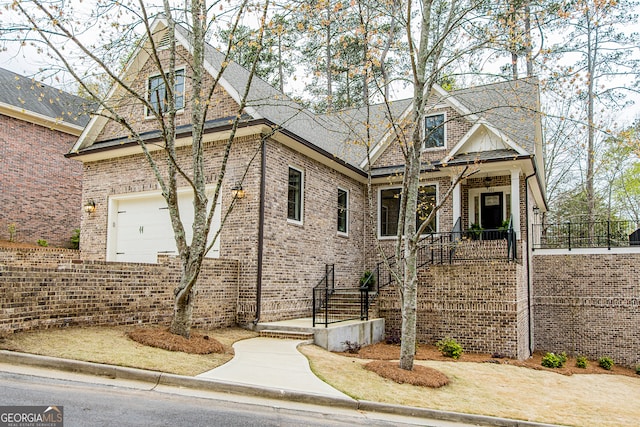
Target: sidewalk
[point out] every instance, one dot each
(274, 363)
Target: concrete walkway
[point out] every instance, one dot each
(273, 363)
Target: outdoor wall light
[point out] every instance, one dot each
(487, 181)
(90, 206)
(237, 192)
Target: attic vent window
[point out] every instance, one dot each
(158, 96)
(164, 41)
(434, 131)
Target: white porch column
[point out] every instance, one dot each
(457, 203)
(515, 201)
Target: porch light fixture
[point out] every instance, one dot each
(90, 206)
(237, 192)
(487, 181)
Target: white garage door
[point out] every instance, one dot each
(140, 227)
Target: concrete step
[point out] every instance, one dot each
(291, 335)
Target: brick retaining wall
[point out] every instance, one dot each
(88, 293)
(588, 305)
(481, 305)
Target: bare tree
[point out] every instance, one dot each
(62, 34)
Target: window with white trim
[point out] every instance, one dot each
(157, 92)
(389, 209)
(434, 131)
(295, 195)
(343, 212)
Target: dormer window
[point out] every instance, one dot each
(158, 96)
(434, 131)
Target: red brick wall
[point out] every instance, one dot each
(588, 305)
(40, 190)
(89, 293)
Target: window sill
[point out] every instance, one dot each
(178, 113)
(343, 235)
(294, 222)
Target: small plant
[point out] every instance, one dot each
(393, 339)
(12, 231)
(352, 347)
(638, 369)
(552, 360)
(581, 362)
(43, 243)
(75, 239)
(368, 280)
(475, 231)
(449, 347)
(606, 363)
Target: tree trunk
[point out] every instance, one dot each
(183, 313)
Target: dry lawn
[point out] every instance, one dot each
(493, 389)
(111, 345)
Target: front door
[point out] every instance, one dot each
(491, 210)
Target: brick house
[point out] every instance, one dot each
(306, 201)
(40, 190)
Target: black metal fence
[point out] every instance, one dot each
(571, 235)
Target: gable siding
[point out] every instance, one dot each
(39, 188)
(456, 127)
(132, 109)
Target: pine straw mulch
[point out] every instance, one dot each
(383, 351)
(162, 338)
(419, 376)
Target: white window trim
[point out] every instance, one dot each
(473, 192)
(148, 116)
(392, 187)
(444, 132)
(302, 178)
(345, 233)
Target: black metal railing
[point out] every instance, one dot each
(323, 291)
(572, 235)
(458, 245)
(331, 304)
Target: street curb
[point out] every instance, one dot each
(160, 378)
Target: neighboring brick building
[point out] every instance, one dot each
(307, 203)
(39, 188)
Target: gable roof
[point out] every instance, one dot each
(26, 99)
(511, 107)
(341, 134)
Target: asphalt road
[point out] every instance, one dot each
(87, 404)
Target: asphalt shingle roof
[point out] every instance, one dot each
(29, 95)
(510, 106)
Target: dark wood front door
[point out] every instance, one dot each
(491, 210)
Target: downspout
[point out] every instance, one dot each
(529, 256)
(263, 172)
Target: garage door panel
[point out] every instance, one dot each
(142, 228)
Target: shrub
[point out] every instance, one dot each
(552, 360)
(449, 347)
(606, 363)
(12, 231)
(352, 347)
(368, 279)
(75, 239)
(43, 243)
(581, 362)
(638, 369)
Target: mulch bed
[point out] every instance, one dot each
(383, 351)
(162, 338)
(419, 376)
